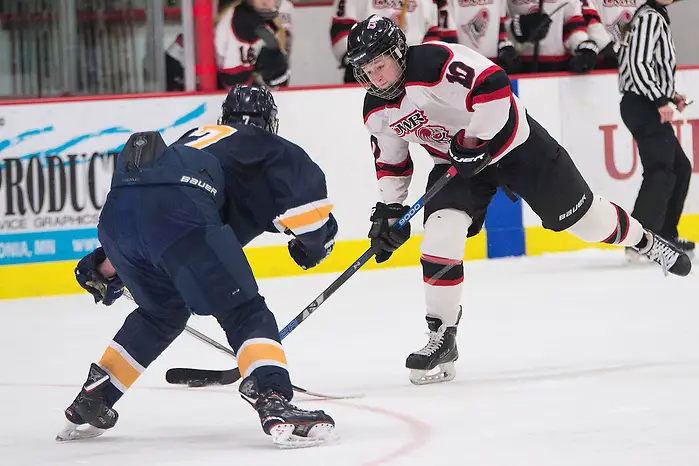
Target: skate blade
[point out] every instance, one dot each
(72, 432)
(320, 434)
(442, 373)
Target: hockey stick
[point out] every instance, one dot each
(203, 377)
(537, 45)
(202, 380)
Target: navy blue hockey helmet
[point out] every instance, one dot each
(369, 39)
(251, 105)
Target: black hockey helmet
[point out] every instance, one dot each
(251, 105)
(369, 39)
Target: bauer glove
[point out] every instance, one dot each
(385, 239)
(104, 290)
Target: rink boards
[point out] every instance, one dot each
(56, 159)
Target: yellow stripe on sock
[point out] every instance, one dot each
(272, 353)
(119, 367)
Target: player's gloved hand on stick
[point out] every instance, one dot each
(273, 66)
(584, 58)
(531, 27)
(310, 249)
(385, 239)
(104, 290)
(468, 155)
(508, 59)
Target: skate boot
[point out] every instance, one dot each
(684, 244)
(89, 416)
(289, 426)
(666, 254)
(440, 351)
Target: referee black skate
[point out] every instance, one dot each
(647, 65)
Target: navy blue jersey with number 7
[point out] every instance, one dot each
(271, 184)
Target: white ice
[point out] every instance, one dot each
(570, 359)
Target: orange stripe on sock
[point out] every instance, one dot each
(307, 218)
(119, 367)
(257, 352)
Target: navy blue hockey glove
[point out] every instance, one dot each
(468, 161)
(310, 249)
(385, 239)
(273, 66)
(104, 290)
(531, 27)
(584, 58)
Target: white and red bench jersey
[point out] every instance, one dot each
(567, 29)
(237, 45)
(480, 24)
(605, 18)
(420, 20)
(448, 87)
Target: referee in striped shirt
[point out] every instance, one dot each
(647, 80)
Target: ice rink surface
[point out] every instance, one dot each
(570, 359)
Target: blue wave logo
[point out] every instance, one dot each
(67, 145)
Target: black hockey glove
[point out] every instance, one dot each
(273, 66)
(105, 290)
(385, 239)
(531, 27)
(468, 161)
(584, 58)
(508, 59)
(310, 249)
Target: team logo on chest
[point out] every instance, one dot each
(409, 123)
(433, 133)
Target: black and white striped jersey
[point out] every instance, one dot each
(647, 60)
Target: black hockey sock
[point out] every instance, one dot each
(643, 243)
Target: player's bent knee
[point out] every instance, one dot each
(445, 234)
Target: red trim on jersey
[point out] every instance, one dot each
(440, 260)
(374, 110)
(514, 131)
(572, 21)
(344, 20)
(237, 69)
(448, 33)
(435, 153)
(380, 172)
(479, 80)
(496, 95)
(443, 282)
(339, 37)
(608, 238)
(441, 75)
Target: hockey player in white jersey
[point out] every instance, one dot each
(481, 25)
(420, 21)
(566, 47)
(253, 41)
(460, 107)
(605, 20)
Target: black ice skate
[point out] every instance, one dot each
(440, 351)
(666, 254)
(89, 416)
(289, 426)
(684, 244)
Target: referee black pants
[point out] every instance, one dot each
(666, 168)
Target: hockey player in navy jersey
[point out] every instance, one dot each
(460, 107)
(172, 231)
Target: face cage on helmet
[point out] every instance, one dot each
(392, 91)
